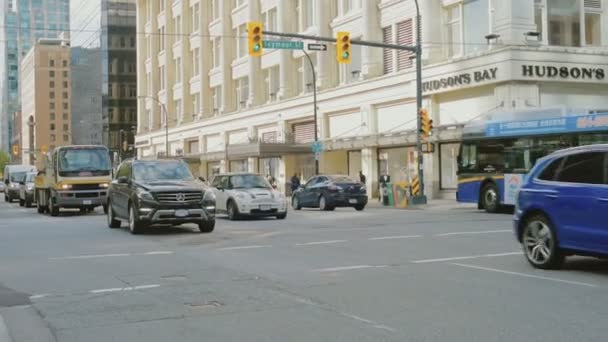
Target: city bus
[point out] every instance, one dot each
(497, 151)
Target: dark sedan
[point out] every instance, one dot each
(329, 192)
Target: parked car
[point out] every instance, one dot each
(12, 175)
(248, 194)
(151, 192)
(2, 187)
(561, 207)
(26, 189)
(329, 192)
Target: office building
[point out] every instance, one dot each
(46, 120)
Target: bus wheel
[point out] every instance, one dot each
(489, 198)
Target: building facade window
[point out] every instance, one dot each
(347, 6)
(215, 9)
(241, 41)
(178, 69)
(196, 17)
(66, 137)
(65, 95)
(387, 54)
(51, 95)
(52, 127)
(51, 63)
(66, 127)
(242, 92)
(52, 116)
(110, 90)
(52, 84)
(454, 31)
(65, 84)
(51, 105)
(196, 104)
(569, 22)
(161, 38)
(179, 114)
(305, 13)
(216, 46)
(217, 99)
(65, 63)
(132, 91)
(52, 137)
(196, 55)
(270, 19)
(178, 28)
(163, 80)
(51, 73)
(65, 106)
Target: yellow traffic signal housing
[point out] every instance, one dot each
(15, 150)
(254, 38)
(343, 48)
(426, 124)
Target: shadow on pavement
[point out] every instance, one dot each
(590, 265)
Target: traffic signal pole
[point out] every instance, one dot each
(417, 49)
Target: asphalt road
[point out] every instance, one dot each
(443, 274)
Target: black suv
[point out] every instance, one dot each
(149, 192)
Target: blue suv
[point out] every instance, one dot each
(562, 207)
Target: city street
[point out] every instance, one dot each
(443, 273)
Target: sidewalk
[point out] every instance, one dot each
(437, 204)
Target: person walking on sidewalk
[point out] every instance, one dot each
(362, 177)
(295, 183)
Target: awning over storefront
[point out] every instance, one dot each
(265, 150)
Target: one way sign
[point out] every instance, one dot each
(317, 47)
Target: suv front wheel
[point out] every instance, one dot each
(540, 243)
(135, 226)
(206, 226)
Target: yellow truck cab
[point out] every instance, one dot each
(75, 177)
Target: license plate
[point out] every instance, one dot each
(352, 201)
(87, 202)
(265, 207)
(181, 213)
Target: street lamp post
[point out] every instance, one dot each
(314, 100)
(162, 105)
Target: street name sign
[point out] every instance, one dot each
(283, 44)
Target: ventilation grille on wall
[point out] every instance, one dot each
(594, 4)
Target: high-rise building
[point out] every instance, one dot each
(109, 27)
(86, 101)
(46, 119)
(9, 70)
(25, 21)
(228, 111)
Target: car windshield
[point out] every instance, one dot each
(17, 177)
(342, 179)
(31, 177)
(249, 182)
(163, 171)
(74, 161)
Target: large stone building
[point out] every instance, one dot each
(108, 27)
(227, 111)
(45, 92)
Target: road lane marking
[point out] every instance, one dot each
(557, 280)
(316, 243)
(243, 247)
(115, 255)
(128, 288)
(158, 253)
(476, 232)
(395, 237)
(348, 268)
(40, 296)
(92, 256)
(468, 257)
(325, 307)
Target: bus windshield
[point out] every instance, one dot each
(73, 162)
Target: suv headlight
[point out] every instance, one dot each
(30, 187)
(104, 185)
(144, 195)
(209, 200)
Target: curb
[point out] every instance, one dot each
(26, 325)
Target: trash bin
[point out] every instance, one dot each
(385, 197)
(389, 194)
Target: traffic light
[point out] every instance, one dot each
(254, 38)
(343, 48)
(426, 124)
(15, 150)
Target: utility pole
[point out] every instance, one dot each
(421, 199)
(166, 116)
(314, 100)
